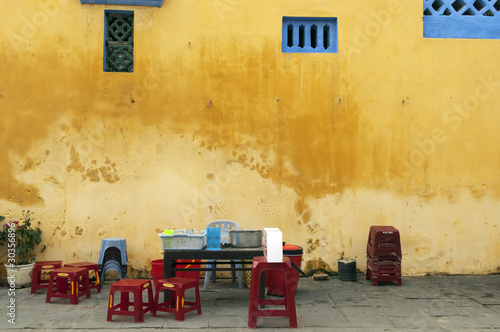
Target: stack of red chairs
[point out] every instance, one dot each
(383, 255)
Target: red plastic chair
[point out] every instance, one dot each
(68, 283)
(177, 303)
(37, 282)
(261, 265)
(136, 287)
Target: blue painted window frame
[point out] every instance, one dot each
(123, 12)
(146, 3)
(299, 34)
(462, 19)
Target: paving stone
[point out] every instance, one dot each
(437, 303)
(321, 316)
(459, 322)
(416, 321)
(354, 299)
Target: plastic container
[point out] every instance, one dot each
(213, 238)
(347, 269)
(274, 279)
(157, 269)
(187, 239)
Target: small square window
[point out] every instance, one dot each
(119, 41)
(309, 35)
(147, 3)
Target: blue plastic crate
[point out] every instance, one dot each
(213, 238)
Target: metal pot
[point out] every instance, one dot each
(248, 238)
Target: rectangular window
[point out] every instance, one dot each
(309, 35)
(119, 41)
(475, 19)
(147, 3)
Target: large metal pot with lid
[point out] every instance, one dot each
(246, 238)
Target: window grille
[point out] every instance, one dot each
(479, 19)
(309, 35)
(146, 3)
(119, 42)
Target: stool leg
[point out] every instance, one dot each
(86, 285)
(254, 299)
(97, 282)
(110, 304)
(198, 299)
(179, 305)
(138, 312)
(37, 276)
(151, 302)
(156, 300)
(74, 290)
(50, 288)
(290, 300)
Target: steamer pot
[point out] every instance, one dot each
(248, 238)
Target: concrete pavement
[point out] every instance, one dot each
(429, 303)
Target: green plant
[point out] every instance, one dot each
(21, 239)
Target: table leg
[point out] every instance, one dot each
(168, 272)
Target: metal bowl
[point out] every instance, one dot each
(248, 238)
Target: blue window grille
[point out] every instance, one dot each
(475, 19)
(309, 35)
(119, 41)
(146, 3)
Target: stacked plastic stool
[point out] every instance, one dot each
(136, 287)
(43, 266)
(383, 255)
(261, 265)
(177, 303)
(113, 257)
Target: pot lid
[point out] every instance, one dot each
(292, 249)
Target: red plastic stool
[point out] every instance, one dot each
(177, 304)
(70, 283)
(37, 282)
(385, 273)
(90, 267)
(136, 287)
(261, 265)
(383, 240)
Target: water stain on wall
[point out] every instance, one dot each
(302, 210)
(93, 173)
(75, 163)
(317, 265)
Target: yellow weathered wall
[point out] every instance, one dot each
(217, 123)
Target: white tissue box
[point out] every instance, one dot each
(273, 245)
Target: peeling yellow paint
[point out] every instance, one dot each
(75, 162)
(225, 125)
